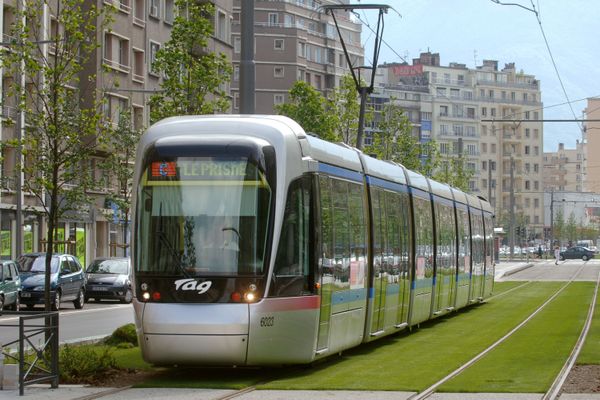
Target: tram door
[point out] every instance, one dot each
(478, 253)
(445, 275)
(391, 281)
(326, 263)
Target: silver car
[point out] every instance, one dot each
(109, 278)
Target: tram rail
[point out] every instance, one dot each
(554, 390)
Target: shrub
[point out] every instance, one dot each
(123, 334)
(85, 364)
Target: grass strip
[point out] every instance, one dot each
(529, 360)
(590, 353)
(412, 362)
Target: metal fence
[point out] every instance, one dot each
(35, 347)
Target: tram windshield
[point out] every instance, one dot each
(202, 216)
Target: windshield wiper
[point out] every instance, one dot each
(165, 241)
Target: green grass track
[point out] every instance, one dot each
(530, 359)
(590, 353)
(415, 361)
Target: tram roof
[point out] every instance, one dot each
(332, 153)
(417, 180)
(440, 189)
(384, 169)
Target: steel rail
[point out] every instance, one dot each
(556, 387)
(431, 389)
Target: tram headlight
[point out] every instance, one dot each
(146, 296)
(249, 297)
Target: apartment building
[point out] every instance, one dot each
(591, 138)
(492, 116)
(125, 78)
(295, 40)
(563, 169)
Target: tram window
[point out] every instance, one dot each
(423, 237)
(291, 277)
(341, 233)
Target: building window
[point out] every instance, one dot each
(236, 101)
(116, 51)
(443, 111)
(278, 44)
(154, 47)
(278, 99)
(154, 9)
(484, 165)
(527, 185)
(302, 49)
(527, 150)
(138, 65)
(318, 82)
(236, 73)
(536, 203)
(169, 11)
(237, 45)
(526, 132)
(536, 185)
(273, 19)
(221, 26)
(483, 111)
(484, 149)
(493, 112)
(493, 148)
(526, 114)
(278, 71)
(139, 13)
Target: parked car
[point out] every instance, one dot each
(10, 285)
(577, 252)
(67, 280)
(109, 278)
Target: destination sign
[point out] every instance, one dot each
(197, 169)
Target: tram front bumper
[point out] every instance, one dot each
(199, 334)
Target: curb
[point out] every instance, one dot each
(514, 270)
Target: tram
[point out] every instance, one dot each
(255, 243)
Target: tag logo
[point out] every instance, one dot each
(192, 284)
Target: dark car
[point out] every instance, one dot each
(109, 278)
(10, 285)
(67, 280)
(577, 252)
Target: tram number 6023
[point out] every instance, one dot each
(267, 321)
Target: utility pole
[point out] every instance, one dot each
(360, 87)
(247, 67)
(552, 218)
(490, 181)
(512, 207)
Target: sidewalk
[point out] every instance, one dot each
(78, 392)
(505, 268)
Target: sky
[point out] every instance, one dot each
(469, 31)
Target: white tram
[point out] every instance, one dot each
(257, 244)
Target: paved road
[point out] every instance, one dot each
(546, 270)
(93, 321)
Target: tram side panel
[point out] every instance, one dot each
(343, 262)
(283, 327)
(422, 284)
(489, 254)
(389, 292)
(445, 267)
(478, 254)
(463, 275)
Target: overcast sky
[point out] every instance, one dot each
(469, 31)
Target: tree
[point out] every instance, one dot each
(571, 229)
(193, 78)
(455, 172)
(119, 164)
(394, 141)
(558, 225)
(64, 124)
(346, 108)
(311, 110)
